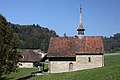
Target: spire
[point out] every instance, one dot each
(80, 27)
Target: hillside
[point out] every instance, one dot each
(33, 36)
(112, 43)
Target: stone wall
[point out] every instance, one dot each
(60, 66)
(82, 62)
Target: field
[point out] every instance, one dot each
(111, 71)
(21, 72)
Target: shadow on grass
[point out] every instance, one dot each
(45, 70)
(5, 78)
(20, 78)
(24, 77)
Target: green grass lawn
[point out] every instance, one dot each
(111, 71)
(20, 72)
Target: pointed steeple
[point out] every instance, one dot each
(80, 27)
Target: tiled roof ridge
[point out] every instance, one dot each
(76, 36)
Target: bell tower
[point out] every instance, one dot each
(80, 27)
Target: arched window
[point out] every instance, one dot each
(70, 66)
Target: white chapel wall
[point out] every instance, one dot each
(82, 61)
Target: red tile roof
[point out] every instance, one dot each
(30, 56)
(70, 46)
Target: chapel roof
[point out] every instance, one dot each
(70, 46)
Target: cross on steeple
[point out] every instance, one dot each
(80, 27)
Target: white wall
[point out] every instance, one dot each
(25, 64)
(59, 66)
(82, 62)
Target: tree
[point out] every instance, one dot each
(33, 36)
(112, 43)
(8, 48)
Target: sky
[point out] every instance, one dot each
(100, 17)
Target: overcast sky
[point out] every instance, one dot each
(100, 17)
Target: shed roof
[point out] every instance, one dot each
(30, 56)
(37, 51)
(70, 46)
